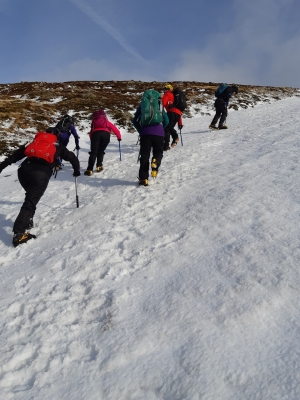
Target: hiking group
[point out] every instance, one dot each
(155, 119)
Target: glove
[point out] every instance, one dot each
(180, 126)
(76, 173)
(77, 147)
(119, 140)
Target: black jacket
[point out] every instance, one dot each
(61, 151)
(225, 96)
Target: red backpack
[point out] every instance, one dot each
(43, 146)
(99, 120)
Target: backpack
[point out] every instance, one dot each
(179, 100)
(99, 120)
(221, 89)
(43, 146)
(151, 111)
(65, 124)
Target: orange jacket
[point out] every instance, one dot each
(167, 100)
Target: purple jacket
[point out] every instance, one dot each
(157, 130)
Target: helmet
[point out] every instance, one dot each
(168, 86)
(68, 118)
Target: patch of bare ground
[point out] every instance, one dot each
(29, 107)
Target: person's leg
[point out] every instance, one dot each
(158, 143)
(173, 119)
(223, 116)
(34, 179)
(219, 106)
(64, 141)
(216, 118)
(145, 150)
(167, 138)
(95, 143)
(104, 141)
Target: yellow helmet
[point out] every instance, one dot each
(168, 86)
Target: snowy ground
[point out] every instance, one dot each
(185, 290)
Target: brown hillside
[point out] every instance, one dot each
(28, 107)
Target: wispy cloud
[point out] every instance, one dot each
(88, 69)
(257, 48)
(85, 8)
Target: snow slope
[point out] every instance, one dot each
(186, 289)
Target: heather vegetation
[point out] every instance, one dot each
(28, 107)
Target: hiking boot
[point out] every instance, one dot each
(211, 126)
(167, 148)
(88, 172)
(143, 182)
(154, 168)
(30, 224)
(223, 127)
(20, 238)
(99, 169)
(58, 168)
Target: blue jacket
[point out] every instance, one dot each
(65, 136)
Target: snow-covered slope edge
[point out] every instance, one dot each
(187, 289)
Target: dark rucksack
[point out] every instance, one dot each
(151, 110)
(221, 89)
(65, 124)
(43, 146)
(179, 100)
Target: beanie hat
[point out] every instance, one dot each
(235, 89)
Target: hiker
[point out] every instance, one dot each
(150, 126)
(223, 94)
(174, 115)
(101, 129)
(66, 128)
(34, 174)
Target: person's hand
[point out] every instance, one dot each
(180, 126)
(77, 147)
(76, 173)
(119, 140)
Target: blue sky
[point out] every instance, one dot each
(248, 42)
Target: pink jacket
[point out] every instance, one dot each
(101, 123)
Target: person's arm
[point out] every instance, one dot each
(13, 158)
(74, 133)
(165, 119)
(136, 121)
(114, 130)
(180, 126)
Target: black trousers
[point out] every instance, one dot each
(34, 178)
(221, 112)
(170, 129)
(148, 142)
(99, 142)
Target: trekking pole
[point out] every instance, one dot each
(180, 136)
(77, 200)
(139, 156)
(120, 150)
